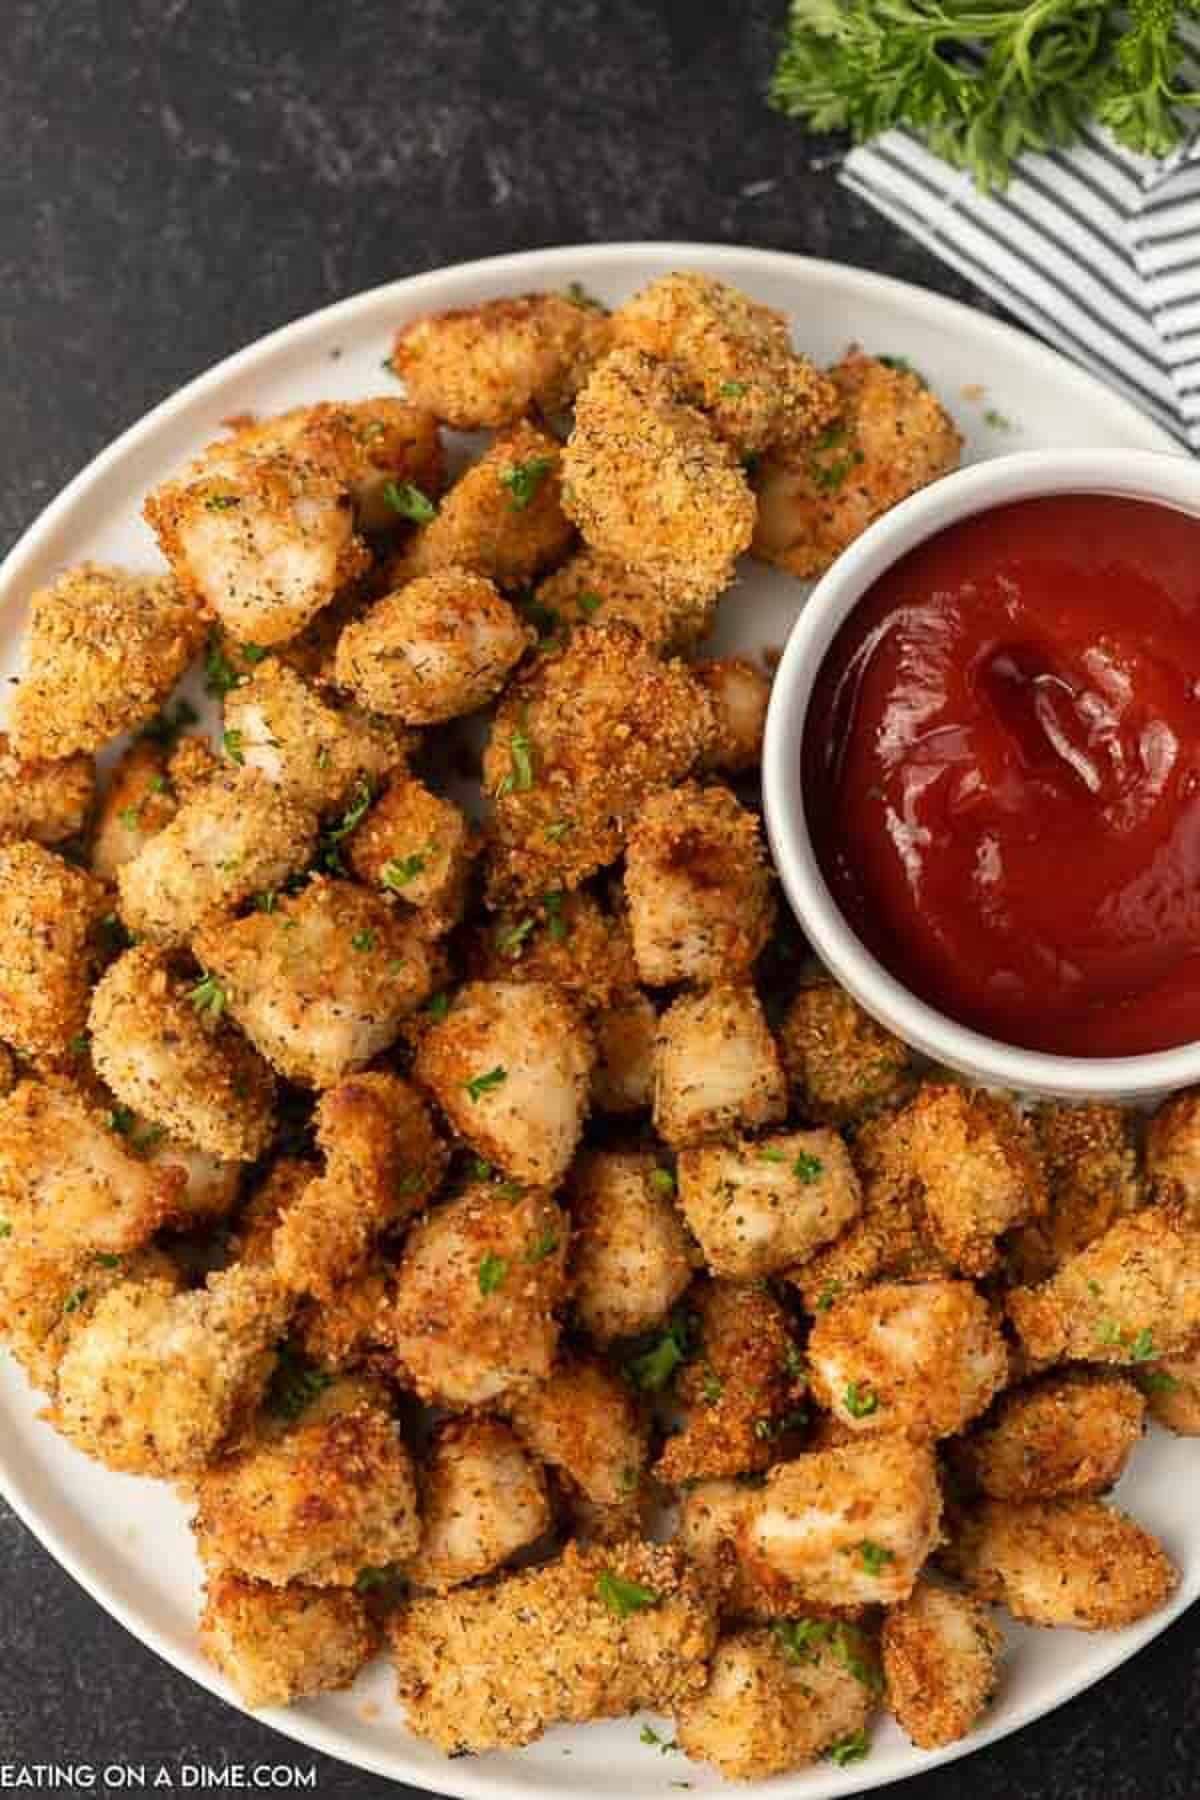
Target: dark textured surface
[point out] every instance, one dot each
(176, 179)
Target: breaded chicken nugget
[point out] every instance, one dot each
(583, 1419)
(234, 837)
(890, 438)
(774, 1702)
(740, 694)
(342, 1333)
(432, 650)
(1090, 1157)
(701, 897)
(510, 1066)
(191, 765)
(842, 1065)
(742, 1387)
(1131, 1297)
(630, 1256)
(154, 1380)
(649, 482)
(1173, 1150)
(566, 939)
(716, 1067)
(1063, 1434)
(380, 448)
(46, 801)
(852, 1526)
(590, 588)
(734, 356)
(577, 744)
(502, 519)
(712, 1533)
(315, 1500)
(418, 846)
(105, 649)
(49, 948)
(322, 982)
(488, 365)
(70, 1181)
(276, 1645)
(260, 534)
(1172, 1390)
(165, 1049)
(314, 751)
(477, 1294)
(45, 1298)
(624, 1035)
(483, 1498)
(760, 1205)
(977, 1162)
(941, 1662)
(1074, 1562)
(383, 1160)
(594, 1635)
(138, 802)
(922, 1358)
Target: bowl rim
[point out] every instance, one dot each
(1162, 477)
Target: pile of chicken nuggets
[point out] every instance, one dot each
(519, 1256)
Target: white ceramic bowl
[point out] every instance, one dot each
(1172, 481)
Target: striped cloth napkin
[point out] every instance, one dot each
(1095, 248)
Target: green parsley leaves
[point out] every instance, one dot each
(479, 1085)
(405, 498)
(622, 1596)
(524, 479)
(208, 996)
(492, 1270)
(860, 1402)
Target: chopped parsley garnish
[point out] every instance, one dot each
(5, 1228)
(107, 1259)
(648, 1735)
(1139, 1348)
(663, 1180)
(363, 940)
(481, 1170)
(1142, 1347)
(438, 1006)
(158, 784)
(114, 933)
(520, 775)
(544, 1245)
(900, 363)
(1157, 1381)
(164, 728)
(767, 1154)
(654, 1368)
(492, 1270)
(524, 479)
(510, 938)
(79, 1044)
(850, 1749)
(860, 1402)
(875, 1557)
(801, 1640)
(129, 817)
(806, 1168)
(578, 295)
(208, 996)
(220, 676)
(996, 420)
(372, 1577)
(559, 829)
(793, 1361)
(622, 1596)
(231, 743)
(120, 1120)
(295, 1384)
(556, 925)
(732, 390)
(401, 870)
(589, 604)
(253, 653)
(74, 1301)
(221, 502)
(479, 1085)
(711, 1385)
(267, 901)
(405, 498)
(329, 855)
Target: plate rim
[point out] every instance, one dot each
(529, 266)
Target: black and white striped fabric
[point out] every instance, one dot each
(1095, 248)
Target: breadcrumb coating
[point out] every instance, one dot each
(977, 1162)
(503, 518)
(383, 1161)
(922, 1358)
(891, 436)
(625, 1034)
(1132, 1296)
(438, 647)
(489, 365)
(594, 589)
(734, 356)
(757, 1206)
(138, 802)
(584, 1420)
(941, 1663)
(483, 1498)
(105, 648)
(842, 1065)
(477, 1294)
(510, 1066)
(630, 1256)
(1089, 1153)
(371, 445)
(1072, 1562)
(740, 695)
(234, 837)
(276, 1645)
(566, 939)
(716, 1067)
(165, 1049)
(322, 983)
(49, 949)
(47, 1297)
(853, 1526)
(155, 1380)
(310, 748)
(1173, 1150)
(765, 1711)
(1063, 1434)
(650, 483)
(418, 847)
(191, 765)
(711, 1531)
(578, 743)
(315, 1500)
(700, 892)
(46, 801)
(742, 1388)
(486, 1668)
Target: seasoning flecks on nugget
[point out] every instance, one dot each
(980, 1173)
(1062, 1434)
(759, 1205)
(417, 846)
(483, 1498)
(716, 1067)
(630, 1256)
(49, 950)
(590, 589)
(584, 1420)
(842, 1065)
(314, 751)
(941, 1664)
(567, 939)
(138, 802)
(280, 1644)
(47, 801)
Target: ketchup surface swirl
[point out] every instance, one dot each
(1001, 774)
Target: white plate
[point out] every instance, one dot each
(125, 1539)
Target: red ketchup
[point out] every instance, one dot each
(1001, 774)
